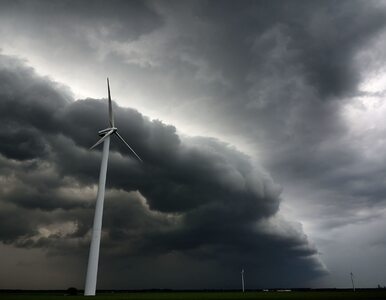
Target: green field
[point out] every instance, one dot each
(328, 295)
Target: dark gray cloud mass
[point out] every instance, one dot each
(116, 20)
(194, 199)
(281, 75)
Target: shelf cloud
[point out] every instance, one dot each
(195, 198)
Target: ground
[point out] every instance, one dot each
(303, 295)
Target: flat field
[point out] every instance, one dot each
(303, 295)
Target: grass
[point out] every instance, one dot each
(301, 295)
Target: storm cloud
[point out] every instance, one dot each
(298, 86)
(195, 198)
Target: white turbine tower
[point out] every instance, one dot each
(92, 268)
(242, 280)
(352, 281)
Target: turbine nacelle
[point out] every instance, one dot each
(105, 131)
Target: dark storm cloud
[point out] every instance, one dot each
(281, 75)
(116, 19)
(193, 197)
(319, 37)
(275, 75)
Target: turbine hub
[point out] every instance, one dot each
(104, 131)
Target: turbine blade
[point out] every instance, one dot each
(111, 116)
(121, 138)
(102, 139)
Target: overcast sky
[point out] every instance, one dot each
(260, 124)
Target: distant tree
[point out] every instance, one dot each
(72, 291)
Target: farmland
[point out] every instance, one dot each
(212, 295)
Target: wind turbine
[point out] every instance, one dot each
(352, 281)
(92, 268)
(242, 279)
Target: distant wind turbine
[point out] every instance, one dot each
(242, 279)
(352, 281)
(92, 268)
